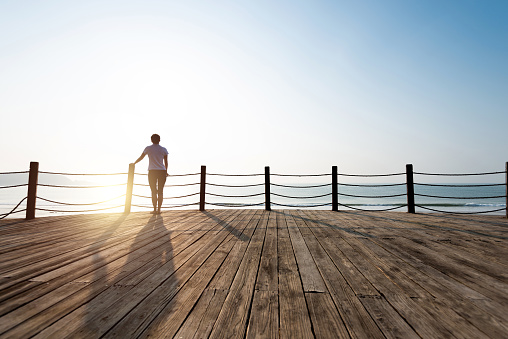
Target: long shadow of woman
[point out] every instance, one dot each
(143, 283)
(150, 279)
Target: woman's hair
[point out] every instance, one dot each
(156, 138)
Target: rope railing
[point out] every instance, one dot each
(80, 204)
(351, 199)
(303, 206)
(235, 186)
(443, 197)
(458, 212)
(305, 197)
(376, 210)
(165, 198)
(235, 196)
(4, 215)
(225, 204)
(78, 211)
(459, 185)
(234, 175)
(458, 174)
(370, 175)
(12, 186)
(305, 186)
(370, 185)
(82, 174)
(373, 196)
(301, 175)
(71, 186)
(166, 207)
(170, 175)
(182, 185)
(19, 172)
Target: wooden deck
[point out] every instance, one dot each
(253, 273)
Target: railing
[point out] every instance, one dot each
(333, 183)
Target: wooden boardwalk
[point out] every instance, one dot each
(253, 273)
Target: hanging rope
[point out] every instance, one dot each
(196, 183)
(82, 204)
(459, 185)
(67, 186)
(377, 185)
(235, 186)
(83, 173)
(80, 211)
(448, 212)
(235, 175)
(22, 172)
(171, 175)
(364, 210)
(309, 186)
(234, 204)
(441, 197)
(11, 186)
(166, 207)
(308, 197)
(301, 175)
(235, 196)
(373, 196)
(183, 196)
(458, 174)
(4, 215)
(303, 206)
(369, 175)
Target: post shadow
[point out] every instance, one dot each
(239, 234)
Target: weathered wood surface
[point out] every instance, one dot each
(255, 274)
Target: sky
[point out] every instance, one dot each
(299, 86)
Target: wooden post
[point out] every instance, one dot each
(267, 189)
(130, 185)
(506, 181)
(32, 190)
(410, 189)
(335, 189)
(202, 189)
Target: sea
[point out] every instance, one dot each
(80, 194)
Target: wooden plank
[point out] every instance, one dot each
(326, 321)
(173, 315)
(446, 298)
(264, 315)
(461, 296)
(267, 279)
(309, 273)
(190, 325)
(488, 286)
(264, 319)
(294, 317)
(424, 323)
(109, 295)
(326, 238)
(219, 286)
(233, 317)
(383, 274)
(149, 298)
(405, 286)
(94, 269)
(387, 318)
(356, 318)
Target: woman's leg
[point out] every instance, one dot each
(160, 188)
(152, 181)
